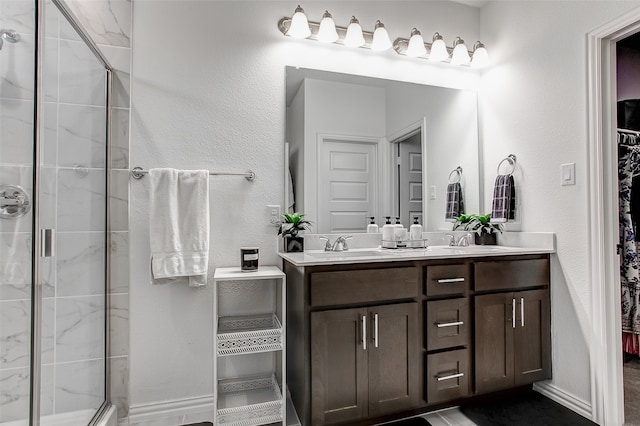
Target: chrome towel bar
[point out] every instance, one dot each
(139, 172)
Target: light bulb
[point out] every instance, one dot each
(327, 32)
(460, 55)
(438, 49)
(381, 39)
(299, 27)
(416, 45)
(480, 57)
(354, 37)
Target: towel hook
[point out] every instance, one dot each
(458, 171)
(511, 159)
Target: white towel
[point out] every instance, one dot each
(179, 225)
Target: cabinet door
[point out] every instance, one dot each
(338, 366)
(494, 331)
(532, 344)
(394, 354)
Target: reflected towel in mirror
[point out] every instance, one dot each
(455, 202)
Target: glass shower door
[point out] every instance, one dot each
(16, 176)
(73, 194)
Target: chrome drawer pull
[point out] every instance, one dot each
(449, 324)
(522, 312)
(513, 313)
(375, 330)
(450, 280)
(452, 376)
(364, 332)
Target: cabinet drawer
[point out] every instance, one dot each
(511, 274)
(447, 323)
(448, 376)
(447, 279)
(367, 285)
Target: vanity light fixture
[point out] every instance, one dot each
(327, 32)
(416, 44)
(377, 41)
(354, 37)
(381, 40)
(460, 55)
(299, 26)
(480, 57)
(438, 51)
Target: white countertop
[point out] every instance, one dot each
(365, 255)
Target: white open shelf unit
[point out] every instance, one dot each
(255, 399)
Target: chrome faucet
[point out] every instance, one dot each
(463, 241)
(340, 244)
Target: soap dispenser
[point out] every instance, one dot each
(388, 231)
(372, 228)
(400, 232)
(415, 231)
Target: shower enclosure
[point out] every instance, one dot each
(54, 219)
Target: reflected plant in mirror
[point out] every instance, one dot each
(362, 147)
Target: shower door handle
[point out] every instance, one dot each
(47, 242)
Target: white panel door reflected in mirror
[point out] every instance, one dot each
(345, 134)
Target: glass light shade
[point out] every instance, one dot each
(438, 49)
(327, 32)
(480, 57)
(381, 40)
(416, 45)
(299, 27)
(460, 55)
(354, 37)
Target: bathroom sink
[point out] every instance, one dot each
(470, 248)
(349, 253)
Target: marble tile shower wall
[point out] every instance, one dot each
(72, 346)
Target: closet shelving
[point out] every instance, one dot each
(256, 399)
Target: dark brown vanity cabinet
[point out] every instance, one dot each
(368, 342)
(363, 362)
(354, 341)
(512, 328)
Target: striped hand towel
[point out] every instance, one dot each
(455, 202)
(504, 199)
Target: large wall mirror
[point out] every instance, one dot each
(361, 147)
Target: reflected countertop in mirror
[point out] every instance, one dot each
(361, 147)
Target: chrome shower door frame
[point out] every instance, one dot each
(37, 279)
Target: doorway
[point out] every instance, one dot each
(604, 263)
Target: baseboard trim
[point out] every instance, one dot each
(564, 398)
(172, 408)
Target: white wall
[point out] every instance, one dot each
(213, 97)
(533, 104)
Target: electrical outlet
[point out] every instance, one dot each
(273, 213)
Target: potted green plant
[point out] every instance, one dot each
(485, 231)
(290, 226)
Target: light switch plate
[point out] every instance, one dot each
(432, 192)
(568, 174)
(273, 213)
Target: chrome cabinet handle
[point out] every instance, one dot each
(449, 324)
(513, 312)
(375, 330)
(449, 377)
(364, 332)
(522, 311)
(450, 280)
